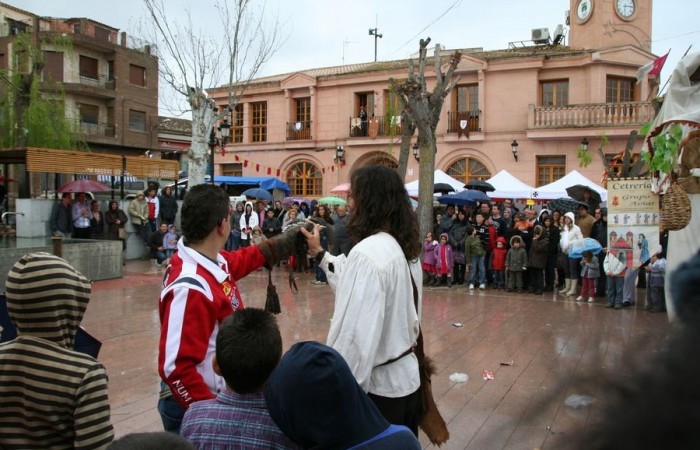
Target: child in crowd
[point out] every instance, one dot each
(248, 348)
(615, 277)
(474, 254)
(516, 264)
(590, 271)
(657, 275)
(170, 241)
(257, 237)
(428, 264)
(443, 262)
(538, 259)
(499, 263)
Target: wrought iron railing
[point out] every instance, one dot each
(101, 81)
(298, 131)
(99, 129)
(467, 121)
(383, 126)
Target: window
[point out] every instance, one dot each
(550, 168)
(305, 179)
(555, 93)
(468, 169)
(101, 34)
(237, 124)
(365, 99)
(620, 90)
(53, 67)
(615, 162)
(466, 106)
(137, 120)
(88, 67)
(137, 75)
(259, 122)
(89, 114)
(303, 111)
(76, 28)
(467, 98)
(232, 170)
(110, 69)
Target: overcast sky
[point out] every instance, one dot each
(330, 32)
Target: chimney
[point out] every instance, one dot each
(123, 42)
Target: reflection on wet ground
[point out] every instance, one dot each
(549, 339)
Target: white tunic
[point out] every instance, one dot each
(374, 318)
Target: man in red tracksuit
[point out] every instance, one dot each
(200, 291)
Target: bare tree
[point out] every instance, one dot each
(192, 61)
(423, 108)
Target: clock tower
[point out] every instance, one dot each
(600, 24)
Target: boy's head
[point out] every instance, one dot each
(587, 254)
(270, 213)
(172, 228)
(203, 210)
(471, 231)
(516, 241)
(248, 348)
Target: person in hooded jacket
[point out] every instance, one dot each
(313, 397)
(550, 269)
(168, 206)
(538, 259)
(249, 220)
(456, 237)
(570, 232)
(499, 263)
(51, 396)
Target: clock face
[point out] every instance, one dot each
(584, 9)
(625, 8)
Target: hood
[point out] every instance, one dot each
(314, 399)
(252, 207)
(517, 239)
(257, 228)
(46, 298)
(501, 239)
(446, 236)
(571, 216)
(543, 212)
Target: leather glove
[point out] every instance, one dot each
(284, 245)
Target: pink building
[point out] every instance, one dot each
(548, 94)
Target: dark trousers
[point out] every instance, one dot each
(171, 412)
(81, 233)
(536, 280)
(550, 271)
(401, 410)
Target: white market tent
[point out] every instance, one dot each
(557, 189)
(440, 177)
(507, 186)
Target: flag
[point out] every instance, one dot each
(652, 67)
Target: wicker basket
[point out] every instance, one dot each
(675, 208)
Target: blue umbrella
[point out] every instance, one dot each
(467, 197)
(581, 245)
(258, 193)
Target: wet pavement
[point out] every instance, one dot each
(550, 340)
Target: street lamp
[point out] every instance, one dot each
(224, 131)
(584, 144)
(416, 151)
(514, 149)
(340, 154)
(213, 141)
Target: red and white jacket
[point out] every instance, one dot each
(198, 294)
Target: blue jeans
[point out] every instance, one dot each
(171, 413)
(613, 290)
(234, 241)
(477, 265)
(499, 278)
(159, 256)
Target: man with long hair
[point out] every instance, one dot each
(375, 323)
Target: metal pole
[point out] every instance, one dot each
(375, 45)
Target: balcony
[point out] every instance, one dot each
(299, 131)
(90, 130)
(470, 118)
(386, 126)
(100, 86)
(624, 114)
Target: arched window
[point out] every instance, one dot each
(468, 169)
(305, 179)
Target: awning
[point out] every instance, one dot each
(99, 164)
(267, 183)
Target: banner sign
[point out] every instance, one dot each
(633, 220)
